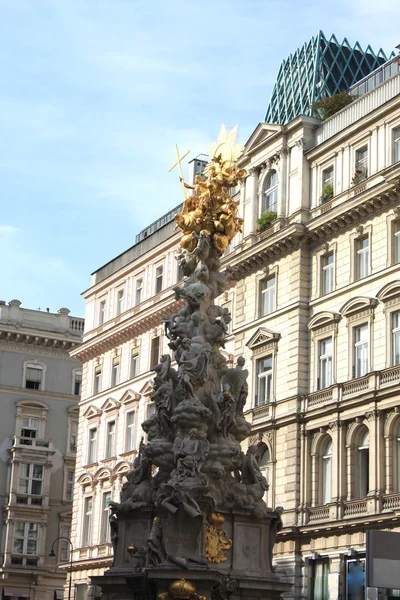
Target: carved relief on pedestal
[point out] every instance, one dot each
(217, 543)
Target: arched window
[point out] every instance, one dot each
(264, 468)
(362, 464)
(269, 200)
(327, 472)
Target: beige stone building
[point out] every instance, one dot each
(124, 338)
(317, 317)
(39, 392)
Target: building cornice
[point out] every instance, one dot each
(29, 340)
(128, 329)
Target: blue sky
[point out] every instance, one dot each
(94, 95)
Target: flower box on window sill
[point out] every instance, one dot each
(358, 177)
(264, 222)
(326, 193)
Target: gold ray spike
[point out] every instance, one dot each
(178, 162)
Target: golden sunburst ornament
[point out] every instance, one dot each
(226, 146)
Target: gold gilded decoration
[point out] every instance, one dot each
(180, 589)
(217, 543)
(178, 162)
(132, 549)
(211, 208)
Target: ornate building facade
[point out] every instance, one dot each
(124, 338)
(317, 315)
(39, 392)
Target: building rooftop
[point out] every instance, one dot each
(13, 317)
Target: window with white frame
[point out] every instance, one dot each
(105, 521)
(30, 479)
(396, 144)
(26, 538)
(328, 176)
(362, 160)
(361, 350)
(115, 371)
(77, 383)
(65, 546)
(97, 380)
(130, 431)
(327, 273)
(362, 465)
(102, 312)
(30, 427)
(33, 377)
(120, 302)
(395, 242)
(267, 296)
(396, 338)
(134, 365)
(319, 579)
(155, 351)
(69, 484)
(87, 522)
(139, 290)
(92, 445)
(362, 257)
(264, 381)
(325, 378)
(73, 435)
(269, 200)
(110, 442)
(327, 472)
(159, 279)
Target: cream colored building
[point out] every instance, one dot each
(317, 317)
(124, 338)
(39, 392)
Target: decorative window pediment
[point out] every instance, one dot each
(389, 292)
(92, 412)
(323, 319)
(147, 389)
(103, 475)
(263, 338)
(110, 404)
(358, 305)
(130, 396)
(85, 479)
(121, 468)
(261, 133)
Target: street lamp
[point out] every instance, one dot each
(52, 555)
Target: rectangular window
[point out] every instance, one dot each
(327, 177)
(325, 363)
(362, 257)
(97, 380)
(139, 288)
(87, 522)
(29, 427)
(264, 381)
(77, 383)
(267, 296)
(362, 160)
(92, 445)
(361, 366)
(110, 439)
(33, 378)
(115, 373)
(26, 537)
(155, 351)
(396, 145)
(130, 431)
(355, 579)
(102, 312)
(69, 488)
(65, 547)
(30, 479)
(73, 436)
(134, 365)
(120, 302)
(319, 579)
(159, 279)
(327, 273)
(105, 521)
(396, 338)
(396, 242)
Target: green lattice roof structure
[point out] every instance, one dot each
(318, 69)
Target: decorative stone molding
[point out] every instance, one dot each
(263, 339)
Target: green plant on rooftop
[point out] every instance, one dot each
(327, 107)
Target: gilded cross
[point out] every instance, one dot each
(178, 162)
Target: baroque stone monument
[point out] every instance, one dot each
(191, 522)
